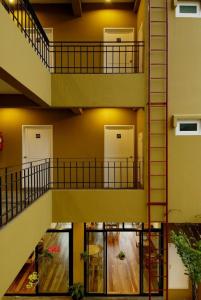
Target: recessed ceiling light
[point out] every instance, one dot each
(107, 1)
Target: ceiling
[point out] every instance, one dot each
(5, 88)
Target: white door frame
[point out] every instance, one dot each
(50, 127)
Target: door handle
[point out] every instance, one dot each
(25, 157)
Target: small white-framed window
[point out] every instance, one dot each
(188, 127)
(188, 9)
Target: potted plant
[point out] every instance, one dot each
(121, 255)
(190, 252)
(77, 291)
(84, 255)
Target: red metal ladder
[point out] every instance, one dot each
(158, 137)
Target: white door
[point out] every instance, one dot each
(36, 147)
(118, 56)
(118, 156)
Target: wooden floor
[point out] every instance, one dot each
(123, 276)
(53, 273)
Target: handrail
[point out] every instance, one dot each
(76, 57)
(21, 186)
(24, 16)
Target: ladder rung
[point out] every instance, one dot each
(158, 21)
(157, 147)
(158, 35)
(157, 203)
(156, 92)
(158, 7)
(158, 103)
(158, 120)
(159, 175)
(158, 78)
(159, 50)
(154, 133)
(158, 161)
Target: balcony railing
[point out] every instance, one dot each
(75, 57)
(122, 173)
(96, 57)
(22, 185)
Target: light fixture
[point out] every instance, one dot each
(11, 1)
(108, 1)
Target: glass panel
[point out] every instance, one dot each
(188, 126)
(133, 225)
(155, 225)
(155, 262)
(188, 9)
(53, 263)
(113, 225)
(60, 226)
(95, 262)
(20, 284)
(122, 273)
(94, 226)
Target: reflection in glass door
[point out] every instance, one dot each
(155, 262)
(107, 274)
(95, 262)
(53, 263)
(122, 274)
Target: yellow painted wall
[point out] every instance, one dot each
(99, 205)
(126, 90)
(19, 60)
(184, 98)
(19, 238)
(73, 135)
(90, 26)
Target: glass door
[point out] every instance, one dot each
(95, 262)
(156, 262)
(53, 263)
(123, 262)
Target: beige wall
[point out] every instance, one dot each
(184, 98)
(78, 248)
(76, 90)
(20, 65)
(74, 135)
(90, 26)
(19, 238)
(99, 206)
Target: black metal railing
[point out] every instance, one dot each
(75, 57)
(20, 186)
(96, 57)
(23, 14)
(96, 173)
